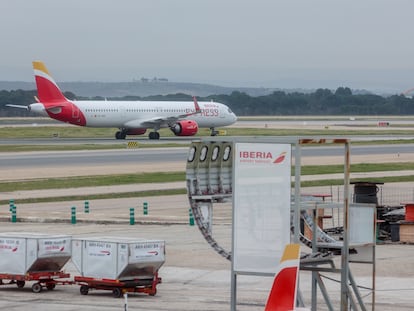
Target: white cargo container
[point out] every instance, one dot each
(22, 253)
(118, 258)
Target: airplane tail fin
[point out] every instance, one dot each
(282, 296)
(47, 89)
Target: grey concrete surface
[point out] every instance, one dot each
(194, 276)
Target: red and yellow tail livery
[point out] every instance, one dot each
(282, 296)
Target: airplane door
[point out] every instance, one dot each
(222, 113)
(122, 111)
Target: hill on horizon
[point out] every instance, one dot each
(142, 89)
(151, 88)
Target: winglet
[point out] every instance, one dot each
(282, 296)
(196, 106)
(47, 89)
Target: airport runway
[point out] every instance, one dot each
(45, 159)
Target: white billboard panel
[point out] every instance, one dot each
(361, 223)
(261, 223)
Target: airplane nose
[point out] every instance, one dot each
(234, 117)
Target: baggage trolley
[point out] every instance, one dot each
(119, 287)
(47, 280)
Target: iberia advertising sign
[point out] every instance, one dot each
(261, 157)
(261, 205)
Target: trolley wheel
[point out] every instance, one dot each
(50, 286)
(153, 292)
(36, 288)
(84, 289)
(20, 284)
(117, 292)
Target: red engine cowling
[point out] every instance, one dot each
(185, 128)
(136, 131)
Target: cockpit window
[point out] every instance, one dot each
(229, 110)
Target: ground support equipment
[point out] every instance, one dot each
(47, 280)
(118, 287)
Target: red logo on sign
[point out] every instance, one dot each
(280, 158)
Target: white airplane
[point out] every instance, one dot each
(131, 117)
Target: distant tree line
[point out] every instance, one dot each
(279, 103)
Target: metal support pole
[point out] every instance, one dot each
(324, 292)
(233, 306)
(296, 214)
(356, 292)
(345, 247)
(314, 251)
(126, 301)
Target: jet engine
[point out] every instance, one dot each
(184, 128)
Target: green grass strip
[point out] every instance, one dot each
(92, 181)
(135, 194)
(71, 147)
(159, 177)
(167, 192)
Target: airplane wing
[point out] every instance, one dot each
(18, 106)
(162, 122)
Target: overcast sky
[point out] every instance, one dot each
(321, 43)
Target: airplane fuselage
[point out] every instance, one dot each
(133, 114)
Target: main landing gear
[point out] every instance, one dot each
(213, 132)
(121, 134)
(154, 135)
